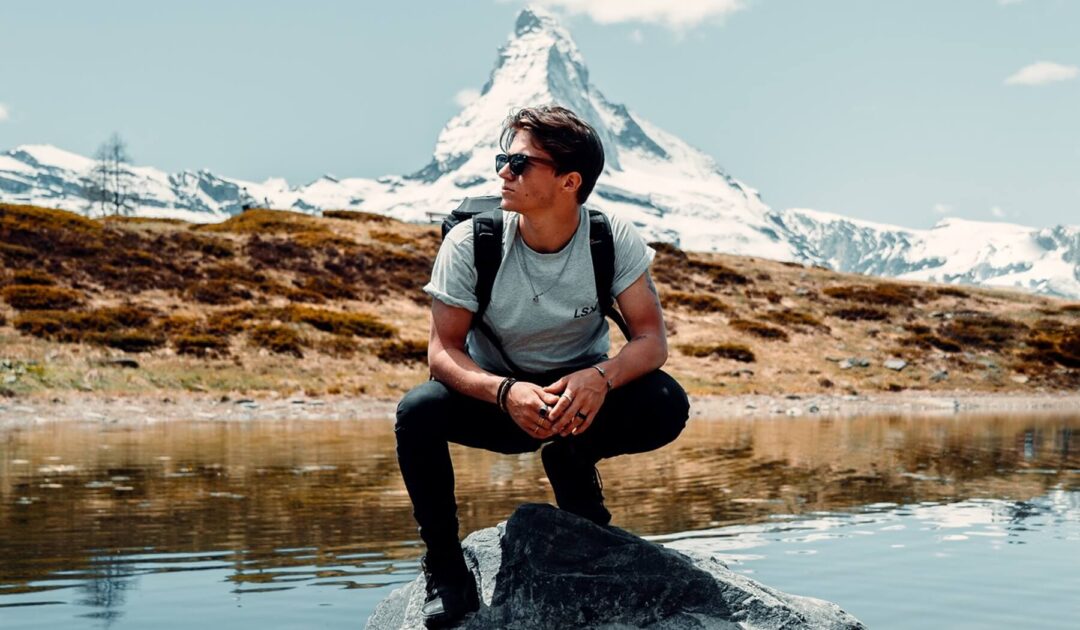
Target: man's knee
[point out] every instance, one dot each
(421, 407)
(670, 405)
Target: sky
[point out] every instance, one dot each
(896, 111)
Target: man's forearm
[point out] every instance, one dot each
(456, 369)
(637, 358)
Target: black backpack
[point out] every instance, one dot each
(487, 219)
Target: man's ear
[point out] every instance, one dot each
(572, 182)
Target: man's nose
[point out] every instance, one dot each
(505, 173)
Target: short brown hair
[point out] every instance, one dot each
(571, 142)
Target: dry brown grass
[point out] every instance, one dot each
(355, 215)
(339, 323)
(36, 297)
(860, 313)
(33, 277)
(278, 339)
(697, 302)
(403, 351)
(883, 294)
(758, 329)
(348, 264)
(796, 320)
(733, 351)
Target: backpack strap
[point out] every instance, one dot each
(487, 257)
(602, 247)
(487, 254)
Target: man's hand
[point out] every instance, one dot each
(530, 408)
(580, 396)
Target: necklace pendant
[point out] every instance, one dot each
(536, 299)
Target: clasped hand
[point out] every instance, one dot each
(566, 407)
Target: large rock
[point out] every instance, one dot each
(546, 568)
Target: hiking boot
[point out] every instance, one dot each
(577, 485)
(450, 594)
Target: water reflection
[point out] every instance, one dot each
(275, 505)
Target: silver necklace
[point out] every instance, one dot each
(528, 276)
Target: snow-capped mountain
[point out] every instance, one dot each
(670, 190)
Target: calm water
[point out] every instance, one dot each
(907, 523)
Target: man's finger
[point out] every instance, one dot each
(585, 424)
(556, 387)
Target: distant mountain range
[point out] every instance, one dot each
(670, 190)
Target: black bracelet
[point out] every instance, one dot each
(504, 391)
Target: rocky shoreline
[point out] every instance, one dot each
(179, 407)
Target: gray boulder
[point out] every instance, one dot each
(546, 568)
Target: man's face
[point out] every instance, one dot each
(535, 188)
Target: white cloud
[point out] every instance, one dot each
(4, 112)
(675, 14)
(1043, 72)
(466, 96)
(637, 36)
(997, 212)
(942, 208)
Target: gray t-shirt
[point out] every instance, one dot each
(564, 328)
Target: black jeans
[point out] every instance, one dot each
(640, 416)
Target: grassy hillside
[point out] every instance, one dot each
(278, 301)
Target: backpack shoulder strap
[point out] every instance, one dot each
(487, 257)
(487, 254)
(602, 247)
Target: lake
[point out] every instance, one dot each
(955, 521)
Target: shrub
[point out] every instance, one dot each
(719, 274)
(797, 320)
(884, 294)
(201, 345)
(217, 292)
(772, 296)
(328, 287)
(127, 340)
(234, 272)
(733, 351)
(390, 238)
(356, 215)
(981, 332)
(236, 320)
(357, 324)
(40, 298)
(1071, 309)
(44, 324)
(278, 339)
(926, 340)
(3, 320)
(698, 302)
(338, 346)
(950, 292)
(33, 277)
(861, 313)
(403, 351)
(758, 329)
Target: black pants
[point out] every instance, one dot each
(639, 416)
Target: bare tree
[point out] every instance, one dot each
(109, 186)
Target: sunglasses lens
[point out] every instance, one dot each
(517, 163)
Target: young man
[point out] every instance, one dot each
(563, 392)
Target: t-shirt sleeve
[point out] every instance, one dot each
(453, 278)
(632, 255)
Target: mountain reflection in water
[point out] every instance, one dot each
(85, 510)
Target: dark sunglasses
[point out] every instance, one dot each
(518, 162)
